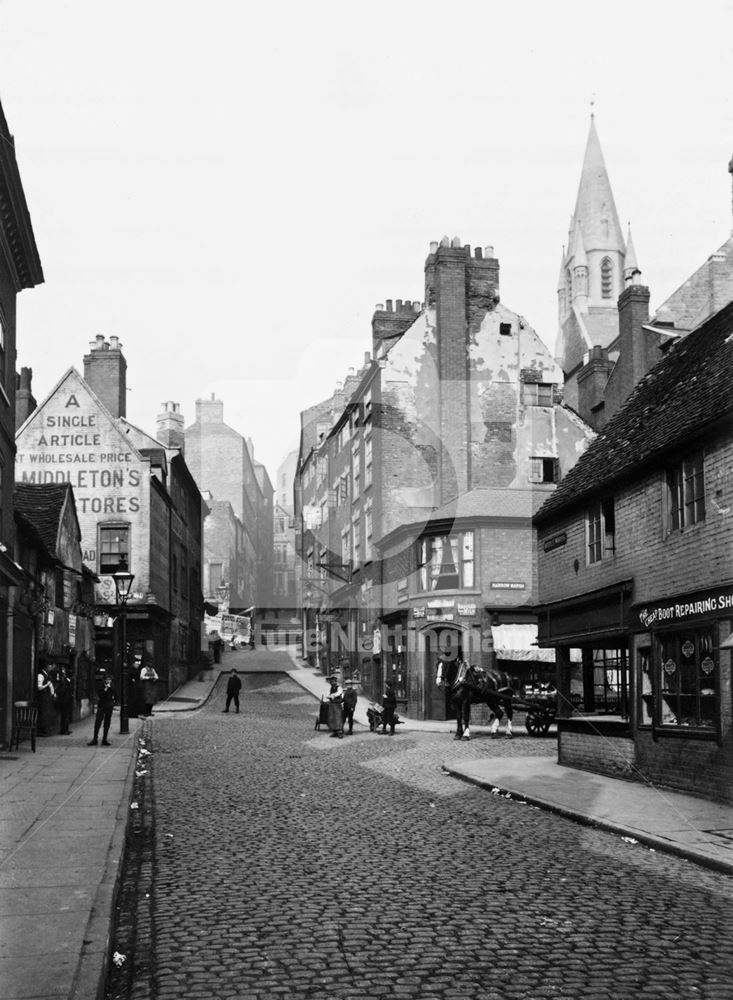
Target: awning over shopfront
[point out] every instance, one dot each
(519, 642)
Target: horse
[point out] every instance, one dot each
(474, 685)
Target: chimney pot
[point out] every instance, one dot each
(379, 307)
(434, 246)
(478, 253)
(389, 305)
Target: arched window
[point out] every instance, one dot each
(607, 278)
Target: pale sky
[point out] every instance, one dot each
(231, 187)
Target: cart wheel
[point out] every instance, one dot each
(544, 727)
(532, 724)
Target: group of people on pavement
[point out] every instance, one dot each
(342, 703)
(107, 699)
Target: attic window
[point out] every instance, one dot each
(606, 278)
(505, 329)
(543, 470)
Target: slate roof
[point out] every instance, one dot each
(41, 505)
(690, 389)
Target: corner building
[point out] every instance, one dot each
(418, 503)
(134, 498)
(636, 574)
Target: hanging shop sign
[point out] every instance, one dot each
(689, 607)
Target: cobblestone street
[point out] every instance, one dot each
(271, 860)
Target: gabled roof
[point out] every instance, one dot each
(42, 505)
(690, 390)
(705, 292)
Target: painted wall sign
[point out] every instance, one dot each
(507, 585)
(467, 610)
(685, 608)
(556, 542)
(72, 439)
(418, 612)
(440, 603)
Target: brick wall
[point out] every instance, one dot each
(592, 752)
(661, 564)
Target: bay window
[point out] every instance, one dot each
(446, 562)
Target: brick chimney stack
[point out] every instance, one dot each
(170, 426)
(462, 289)
(389, 322)
(25, 401)
(637, 350)
(105, 372)
(210, 411)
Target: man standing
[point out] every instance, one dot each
(349, 706)
(234, 686)
(389, 704)
(65, 701)
(335, 708)
(103, 718)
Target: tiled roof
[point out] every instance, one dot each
(492, 503)
(41, 505)
(688, 390)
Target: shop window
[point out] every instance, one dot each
(446, 561)
(600, 529)
(644, 675)
(114, 543)
(686, 679)
(685, 494)
(610, 681)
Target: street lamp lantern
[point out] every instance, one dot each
(123, 584)
(123, 580)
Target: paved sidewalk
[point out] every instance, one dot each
(62, 834)
(65, 808)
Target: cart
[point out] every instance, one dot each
(322, 717)
(541, 711)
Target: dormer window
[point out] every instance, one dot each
(607, 278)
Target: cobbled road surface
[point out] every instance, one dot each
(269, 860)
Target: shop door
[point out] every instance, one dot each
(443, 644)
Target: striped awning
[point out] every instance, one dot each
(519, 642)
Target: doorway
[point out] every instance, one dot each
(441, 643)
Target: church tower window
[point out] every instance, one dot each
(606, 278)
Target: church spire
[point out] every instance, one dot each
(594, 206)
(631, 268)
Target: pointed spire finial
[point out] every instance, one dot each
(592, 107)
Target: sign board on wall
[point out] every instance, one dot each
(702, 604)
(72, 438)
